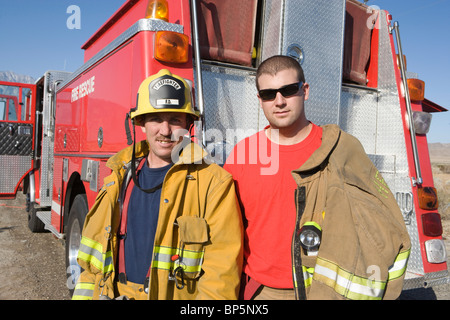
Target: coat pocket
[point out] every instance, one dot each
(193, 236)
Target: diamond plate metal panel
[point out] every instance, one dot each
(16, 152)
(48, 135)
(358, 116)
(231, 104)
(391, 139)
(16, 139)
(12, 168)
(272, 35)
(318, 28)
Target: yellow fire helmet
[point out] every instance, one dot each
(163, 92)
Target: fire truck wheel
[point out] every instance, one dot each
(74, 227)
(34, 223)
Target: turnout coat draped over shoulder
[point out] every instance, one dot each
(365, 245)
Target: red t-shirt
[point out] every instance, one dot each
(266, 188)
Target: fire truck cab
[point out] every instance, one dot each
(349, 53)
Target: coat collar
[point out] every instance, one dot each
(330, 137)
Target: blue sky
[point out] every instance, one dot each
(34, 37)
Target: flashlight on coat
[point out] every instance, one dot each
(310, 236)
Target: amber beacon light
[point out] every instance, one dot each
(428, 199)
(157, 9)
(171, 47)
(416, 89)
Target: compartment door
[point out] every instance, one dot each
(17, 110)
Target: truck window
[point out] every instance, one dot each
(12, 114)
(9, 108)
(2, 110)
(26, 104)
(9, 95)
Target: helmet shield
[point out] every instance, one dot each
(167, 92)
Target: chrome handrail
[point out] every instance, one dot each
(198, 67)
(418, 180)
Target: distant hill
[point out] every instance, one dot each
(14, 77)
(439, 152)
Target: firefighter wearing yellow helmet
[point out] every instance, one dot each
(167, 229)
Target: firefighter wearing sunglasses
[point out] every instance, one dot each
(320, 222)
(166, 223)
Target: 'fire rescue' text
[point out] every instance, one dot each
(83, 89)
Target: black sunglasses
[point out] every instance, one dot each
(286, 91)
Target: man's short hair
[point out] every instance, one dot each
(275, 64)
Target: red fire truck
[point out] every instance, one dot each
(58, 133)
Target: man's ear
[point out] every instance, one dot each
(306, 90)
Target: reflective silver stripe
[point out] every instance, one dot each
(91, 252)
(346, 283)
(83, 291)
(190, 261)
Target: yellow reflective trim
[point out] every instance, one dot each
(309, 270)
(399, 267)
(308, 275)
(172, 251)
(346, 283)
(312, 223)
(294, 276)
(173, 265)
(91, 260)
(78, 297)
(92, 244)
(191, 261)
(91, 252)
(83, 291)
(109, 266)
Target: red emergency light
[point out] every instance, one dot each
(432, 225)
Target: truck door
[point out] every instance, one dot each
(17, 123)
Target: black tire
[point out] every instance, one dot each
(77, 215)
(34, 223)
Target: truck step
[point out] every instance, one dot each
(46, 218)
